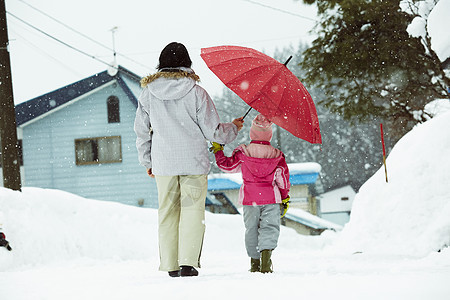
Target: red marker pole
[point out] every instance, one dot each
(384, 151)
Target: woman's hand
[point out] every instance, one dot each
(239, 122)
(149, 172)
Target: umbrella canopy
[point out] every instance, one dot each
(268, 86)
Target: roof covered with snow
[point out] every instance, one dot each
(39, 106)
(304, 168)
(310, 220)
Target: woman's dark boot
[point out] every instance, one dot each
(174, 273)
(188, 271)
(255, 265)
(266, 262)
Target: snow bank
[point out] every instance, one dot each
(410, 214)
(437, 107)
(49, 226)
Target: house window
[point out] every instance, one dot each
(113, 109)
(100, 150)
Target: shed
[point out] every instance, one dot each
(336, 205)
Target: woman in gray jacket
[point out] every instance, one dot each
(174, 120)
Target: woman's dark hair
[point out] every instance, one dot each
(174, 55)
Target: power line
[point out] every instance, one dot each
(70, 46)
(65, 25)
(82, 34)
(280, 10)
(48, 55)
(59, 41)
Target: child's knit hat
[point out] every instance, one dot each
(261, 129)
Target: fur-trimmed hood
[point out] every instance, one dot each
(173, 84)
(165, 73)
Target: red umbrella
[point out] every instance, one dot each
(267, 86)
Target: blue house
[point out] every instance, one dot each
(80, 139)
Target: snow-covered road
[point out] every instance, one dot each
(68, 247)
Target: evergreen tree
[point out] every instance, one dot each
(368, 65)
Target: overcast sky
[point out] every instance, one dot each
(41, 64)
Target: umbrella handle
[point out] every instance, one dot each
(287, 61)
(247, 113)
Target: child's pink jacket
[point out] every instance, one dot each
(264, 172)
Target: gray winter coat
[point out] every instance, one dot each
(174, 118)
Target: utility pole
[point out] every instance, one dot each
(113, 68)
(113, 31)
(8, 129)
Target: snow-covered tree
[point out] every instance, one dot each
(370, 63)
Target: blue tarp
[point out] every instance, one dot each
(303, 178)
(218, 184)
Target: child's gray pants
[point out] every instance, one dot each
(262, 228)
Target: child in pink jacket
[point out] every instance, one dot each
(265, 186)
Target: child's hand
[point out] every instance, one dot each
(215, 147)
(239, 122)
(285, 205)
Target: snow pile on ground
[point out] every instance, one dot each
(50, 227)
(47, 226)
(410, 213)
